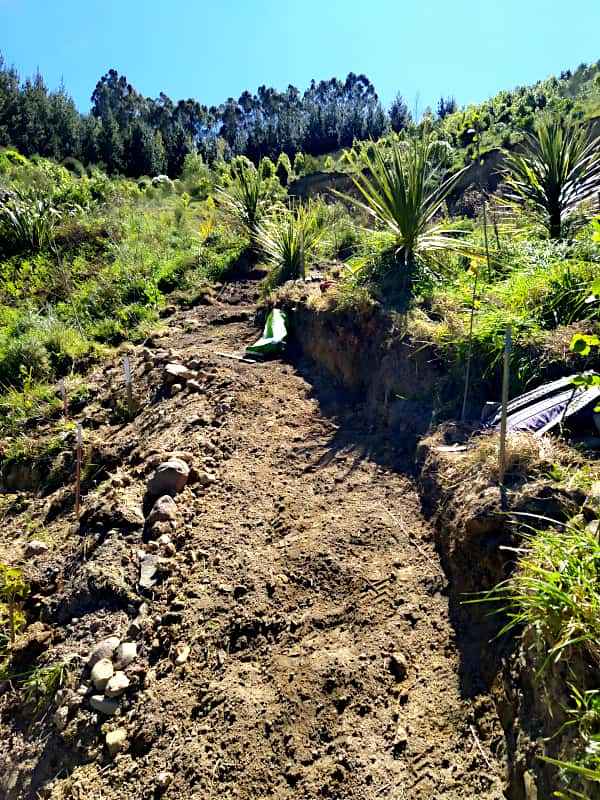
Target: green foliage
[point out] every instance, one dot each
(13, 591)
(557, 170)
(246, 199)
(289, 239)
(26, 223)
(42, 684)
(402, 190)
(283, 170)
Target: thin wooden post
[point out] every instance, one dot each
(63, 392)
(78, 470)
(302, 264)
(505, 381)
(470, 348)
(128, 385)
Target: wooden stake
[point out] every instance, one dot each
(505, 380)
(128, 385)
(78, 471)
(63, 392)
(302, 264)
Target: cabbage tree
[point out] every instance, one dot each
(556, 171)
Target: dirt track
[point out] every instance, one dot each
(323, 661)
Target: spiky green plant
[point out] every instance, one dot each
(557, 170)
(246, 199)
(288, 239)
(27, 223)
(403, 190)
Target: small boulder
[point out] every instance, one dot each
(102, 672)
(148, 576)
(35, 548)
(193, 385)
(105, 705)
(103, 649)
(182, 654)
(116, 741)
(170, 477)
(177, 373)
(117, 685)
(126, 654)
(163, 510)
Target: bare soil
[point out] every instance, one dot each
(306, 583)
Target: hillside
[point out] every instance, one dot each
(317, 574)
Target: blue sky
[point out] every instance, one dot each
(213, 50)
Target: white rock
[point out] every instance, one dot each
(126, 653)
(36, 548)
(116, 741)
(164, 779)
(102, 672)
(60, 718)
(117, 685)
(105, 705)
(183, 653)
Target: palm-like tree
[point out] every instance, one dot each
(246, 199)
(557, 170)
(403, 189)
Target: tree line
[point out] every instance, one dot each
(127, 133)
(134, 135)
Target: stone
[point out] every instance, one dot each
(182, 653)
(148, 576)
(205, 478)
(170, 477)
(117, 685)
(36, 548)
(193, 385)
(105, 705)
(126, 653)
(163, 510)
(103, 649)
(164, 780)
(175, 373)
(398, 666)
(116, 741)
(60, 718)
(176, 388)
(102, 672)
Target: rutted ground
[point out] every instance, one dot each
(304, 581)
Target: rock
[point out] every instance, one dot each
(398, 666)
(148, 576)
(116, 741)
(60, 718)
(103, 649)
(31, 644)
(126, 653)
(105, 705)
(170, 477)
(182, 653)
(193, 386)
(163, 510)
(176, 373)
(205, 478)
(164, 780)
(176, 388)
(35, 548)
(102, 672)
(117, 685)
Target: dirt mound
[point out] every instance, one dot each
(293, 637)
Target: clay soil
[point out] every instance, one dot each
(323, 662)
